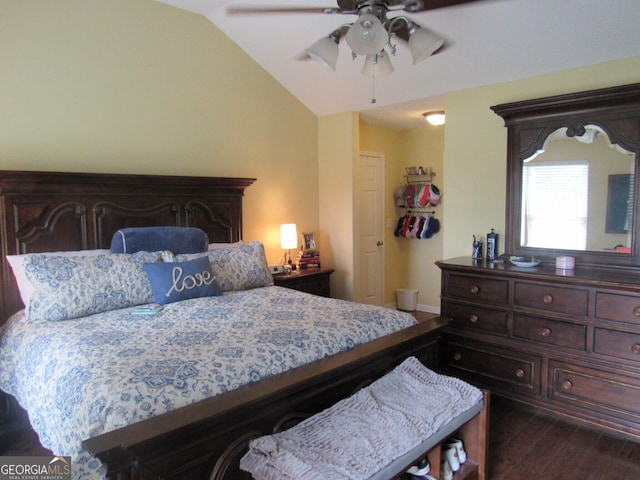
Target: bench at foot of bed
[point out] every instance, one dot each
(382, 431)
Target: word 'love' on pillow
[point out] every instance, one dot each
(172, 282)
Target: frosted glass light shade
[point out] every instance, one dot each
(288, 236)
(367, 35)
(435, 118)
(325, 52)
(378, 67)
(423, 43)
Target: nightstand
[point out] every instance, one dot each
(310, 280)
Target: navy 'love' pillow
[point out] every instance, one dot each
(172, 282)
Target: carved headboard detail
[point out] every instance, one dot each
(47, 211)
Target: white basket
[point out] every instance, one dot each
(406, 299)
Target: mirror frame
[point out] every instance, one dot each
(616, 110)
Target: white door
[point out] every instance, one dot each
(372, 227)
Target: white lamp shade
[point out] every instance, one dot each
(377, 66)
(288, 236)
(423, 43)
(325, 52)
(367, 35)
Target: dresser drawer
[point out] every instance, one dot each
(478, 289)
(571, 301)
(617, 344)
(544, 330)
(596, 389)
(492, 366)
(478, 318)
(622, 308)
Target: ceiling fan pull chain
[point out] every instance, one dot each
(373, 80)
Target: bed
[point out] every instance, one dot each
(180, 413)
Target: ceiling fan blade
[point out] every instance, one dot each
(261, 10)
(435, 4)
(352, 6)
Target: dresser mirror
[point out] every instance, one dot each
(571, 183)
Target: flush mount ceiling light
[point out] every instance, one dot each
(372, 34)
(435, 118)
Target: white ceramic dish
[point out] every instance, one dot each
(522, 262)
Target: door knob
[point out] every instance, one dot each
(380, 243)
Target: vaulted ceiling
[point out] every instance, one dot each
(488, 41)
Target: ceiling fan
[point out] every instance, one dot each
(372, 33)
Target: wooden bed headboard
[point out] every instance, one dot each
(47, 211)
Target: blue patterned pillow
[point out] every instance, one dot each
(237, 268)
(66, 287)
(172, 282)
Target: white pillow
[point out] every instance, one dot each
(17, 265)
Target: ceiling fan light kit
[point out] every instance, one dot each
(377, 65)
(325, 51)
(423, 43)
(367, 36)
(371, 34)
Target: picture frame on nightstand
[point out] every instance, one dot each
(309, 241)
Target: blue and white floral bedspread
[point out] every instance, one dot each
(83, 377)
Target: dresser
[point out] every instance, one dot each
(564, 342)
(310, 280)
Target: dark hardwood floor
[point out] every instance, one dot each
(524, 445)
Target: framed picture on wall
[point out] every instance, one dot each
(309, 241)
(619, 207)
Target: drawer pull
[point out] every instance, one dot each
(475, 289)
(635, 348)
(566, 385)
(545, 332)
(547, 299)
(474, 318)
(636, 312)
(519, 373)
(457, 356)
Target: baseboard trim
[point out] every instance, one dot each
(420, 307)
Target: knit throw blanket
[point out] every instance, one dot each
(361, 434)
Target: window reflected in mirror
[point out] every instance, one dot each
(577, 194)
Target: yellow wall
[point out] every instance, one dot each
(425, 147)
(408, 263)
(136, 86)
(338, 149)
(476, 140)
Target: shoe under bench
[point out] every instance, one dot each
(472, 427)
